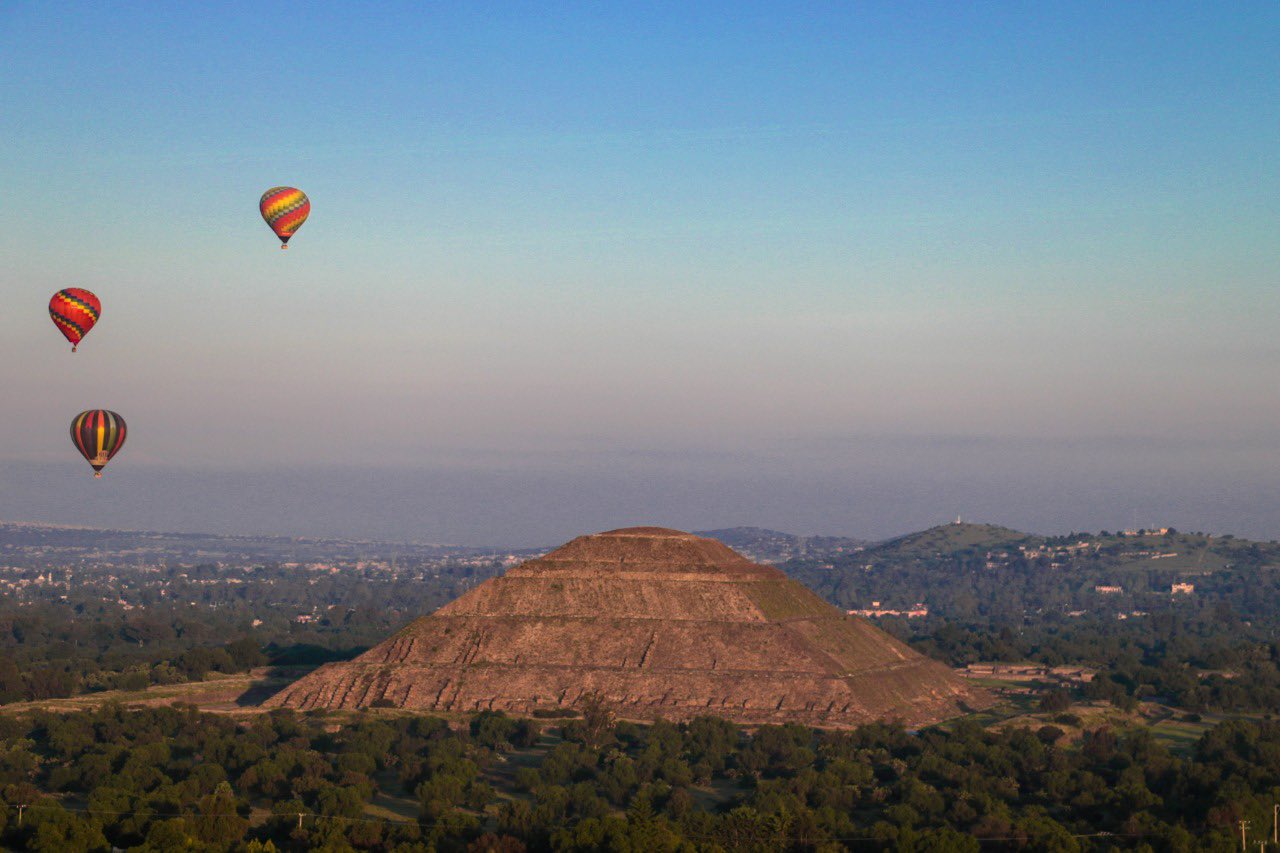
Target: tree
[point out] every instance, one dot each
(172, 834)
(246, 653)
(60, 831)
(493, 730)
(598, 717)
(946, 840)
(217, 821)
(491, 843)
(1045, 834)
(1049, 735)
(1055, 701)
(527, 733)
(12, 686)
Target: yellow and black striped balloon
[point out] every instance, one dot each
(98, 435)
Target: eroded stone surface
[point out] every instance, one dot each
(662, 624)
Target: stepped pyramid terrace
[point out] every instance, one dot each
(661, 624)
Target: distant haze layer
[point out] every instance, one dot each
(864, 487)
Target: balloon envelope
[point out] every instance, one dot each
(284, 209)
(98, 434)
(74, 311)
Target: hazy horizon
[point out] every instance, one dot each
(838, 270)
(873, 488)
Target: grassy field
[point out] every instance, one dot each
(240, 693)
(1179, 735)
(1187, 561)
(397, 806)
(1019, 706)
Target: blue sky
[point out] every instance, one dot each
(806, 249)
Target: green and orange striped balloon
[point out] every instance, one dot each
(74, 310)
(98, 435)
(285, 209)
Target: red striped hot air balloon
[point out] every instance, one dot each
(285, 209)
(98, 435)
(74, 311)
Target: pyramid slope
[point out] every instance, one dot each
(663, 624)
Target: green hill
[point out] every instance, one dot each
(950, 538)
(983, 573)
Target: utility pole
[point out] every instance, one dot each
(1244, 826)
(1275, 824)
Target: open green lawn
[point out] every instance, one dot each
(1198, 560)
(399, 805)
(1179, 735)
(1167, 724)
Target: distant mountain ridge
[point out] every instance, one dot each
(757, 543)
(773, 546)
(79, 543)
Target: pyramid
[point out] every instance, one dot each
(659, 623)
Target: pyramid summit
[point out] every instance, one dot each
(658, 622)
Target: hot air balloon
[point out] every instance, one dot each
(74, 311)
(98, 435)
(284, 209)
